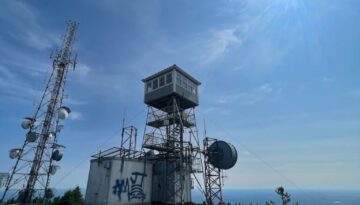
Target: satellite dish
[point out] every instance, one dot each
(57, 155)
(53, 169)
(222, 155)
(64, 112)
(26, 123)
(32, 136)
(49, 193)
(15, 153)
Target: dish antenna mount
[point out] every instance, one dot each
(218, 155)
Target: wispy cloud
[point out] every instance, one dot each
(247, 153)
(23, 20)
(247, 98)
(260, 20)
(326, 79)
(11, 85)
(17, 59)
(18, 66)
(75, 115)
(338, 202)
(355, 92)
(219, 44)
(216, 109)
(82, 70)
(223, 103)
(24, 49)
(71, 101)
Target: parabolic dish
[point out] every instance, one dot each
(222, 155)
(14, 153)
(57, 155)
(53, 169)
(49, 193)
(32, 136)
(26, 123)
(64, 112)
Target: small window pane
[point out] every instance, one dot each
(192, 84)
(178, 79)
(155, 84)
(184, 83)
(162, 81)
(168, 78)
(148, 87)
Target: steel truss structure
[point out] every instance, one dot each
(212, 176)
(128, 141)
(35, 160)
(172, 135)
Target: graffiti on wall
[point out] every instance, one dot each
(132, 185)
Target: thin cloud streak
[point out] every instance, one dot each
(219, 44)
(74, 115)
(23, 18)
(11, 85)
(247, 98)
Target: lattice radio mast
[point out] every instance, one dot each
(35, 160)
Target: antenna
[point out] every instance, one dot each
(35, 160)
(205, 134)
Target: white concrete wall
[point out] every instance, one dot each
(127, 183)
(98, 183)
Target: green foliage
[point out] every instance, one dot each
(285, 197)
(71, 197)
(10, 201)
(37, 200)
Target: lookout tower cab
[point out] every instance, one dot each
(171, 83)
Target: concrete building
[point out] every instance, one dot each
(116, 181)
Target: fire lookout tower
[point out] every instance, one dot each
(171, 135)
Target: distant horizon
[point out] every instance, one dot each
(261, 196)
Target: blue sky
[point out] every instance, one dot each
(280, 80)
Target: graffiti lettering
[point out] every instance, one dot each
(134, 189)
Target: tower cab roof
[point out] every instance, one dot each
(171, 68)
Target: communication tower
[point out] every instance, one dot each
(36, 159)
(171, 135)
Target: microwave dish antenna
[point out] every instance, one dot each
(222, 155)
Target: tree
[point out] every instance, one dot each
(71, 197)
(285, 197)
(11, 201)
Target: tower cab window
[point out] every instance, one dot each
(161, 81)
(168, 78)
(148, 87)
(178, 79)
(155, 84)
